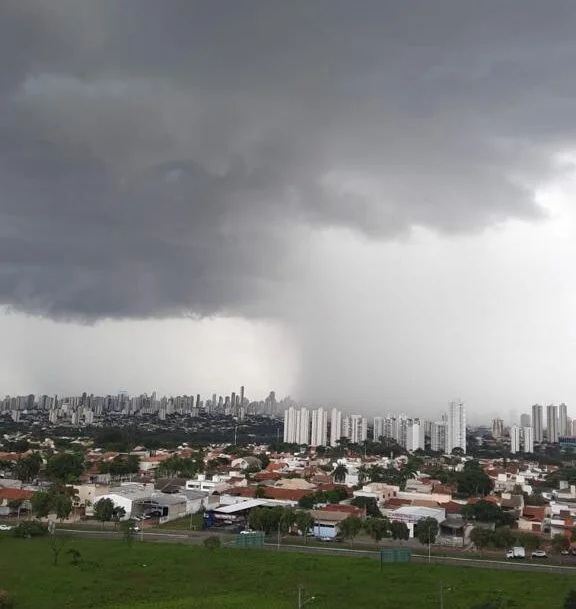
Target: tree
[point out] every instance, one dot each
(481, 537)
(65, 468)
(559, 543)
(56, 500)
(503, 537)
(530, 541)
(304, 521)
(369, 504)
(426, 530)
(128, 528)
(377, 528)
(104, 510)
(486, 511)
(339, 473)
(28, 468)
(350, 527)
(56, 545)
(473, 480)
(41, 503)
(75, 556)
(399, 530)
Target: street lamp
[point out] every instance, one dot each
(303, 601)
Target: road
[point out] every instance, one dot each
(198, 538)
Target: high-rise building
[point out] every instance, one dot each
(497, 428)
(438, 432)
(335, 426)
(528, 437)
(355, 428)
(414, 434)
(456, 432)
(525, 420)
(563, 420)
(319, 427)
(514, 439)
(537, 423)
(290, 425)
(303, 426)
(574, 428)
(552, 424)
(378, 430)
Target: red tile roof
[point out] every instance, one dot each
(14, 494)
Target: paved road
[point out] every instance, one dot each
(198, 538)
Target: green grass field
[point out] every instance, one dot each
(113, 575)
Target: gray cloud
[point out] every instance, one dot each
(165, 158)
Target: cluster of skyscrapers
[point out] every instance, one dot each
(314, 428)
(532, 429)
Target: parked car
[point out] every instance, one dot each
(565, 552)
(539, 554)
(5, 527)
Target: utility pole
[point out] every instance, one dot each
(441, 596)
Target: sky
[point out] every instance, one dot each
(365, 205)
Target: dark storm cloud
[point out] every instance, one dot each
(159, 158)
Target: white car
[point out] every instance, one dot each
(539, 554)
(5, 527)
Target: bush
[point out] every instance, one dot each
(212, 542)
(32, 528)
(6, 601)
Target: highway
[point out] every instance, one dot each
(197, 539)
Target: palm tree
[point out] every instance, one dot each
(339, 474)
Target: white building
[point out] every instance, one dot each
(303, 426)
(438, 433)
(355, 428)
(378, 429)
(514, 439)
(414, 435)
(290, 425)
(335, 426)
(528, 437)
(552, 423)
(537, 423)
(319, 427)
(456, 432)
(563, 429)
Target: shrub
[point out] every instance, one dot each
(32, 528)
(212, 542)
(6, 601)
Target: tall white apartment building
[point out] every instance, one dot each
(438, 433)
(319, 427)
(563, 429)
(303, 426)
(528, 439)
(290, 425)
(355, 428)
(378, 431)
(414, 434)
(456, 432)
(335, 426)
(537, 423)
(552, 423)
(297, 426)
(514, 439)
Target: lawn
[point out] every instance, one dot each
(113, 575)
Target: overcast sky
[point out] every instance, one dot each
(367, 204)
